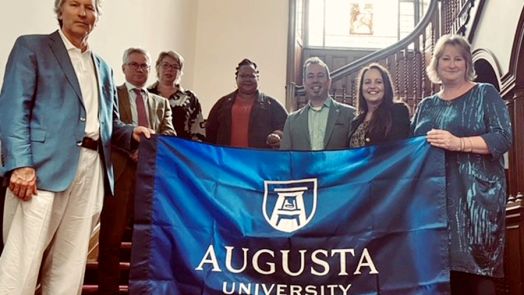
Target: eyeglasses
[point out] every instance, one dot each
(135, 66)
(247, 76)
(166, 66)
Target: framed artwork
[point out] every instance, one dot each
(361, 19)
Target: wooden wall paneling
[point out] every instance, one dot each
(518, 142)
(512, 283)
(298, 63)
(339, 88)
(512, 156)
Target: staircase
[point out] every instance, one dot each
(406, 60)
(91, 278)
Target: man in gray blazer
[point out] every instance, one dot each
(58, 119)
(323, 124)
(134, 99)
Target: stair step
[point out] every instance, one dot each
(94, 265)
(93, 289)
(125, 251)
(91, 275)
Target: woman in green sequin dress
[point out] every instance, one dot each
(471, 122)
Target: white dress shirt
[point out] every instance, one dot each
(132, 101)
(87, 78)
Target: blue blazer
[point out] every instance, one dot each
(42, 113)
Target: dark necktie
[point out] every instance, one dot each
(141, 109)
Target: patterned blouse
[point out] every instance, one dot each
(358, 138)
(475, 183)
(187, 113)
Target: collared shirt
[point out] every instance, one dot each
(87, 79)
(132, 101)
(317, 123)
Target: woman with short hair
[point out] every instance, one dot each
(187, 112)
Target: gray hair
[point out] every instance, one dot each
(315, 61)
(462, 45)
(132, 50)
(59, 4)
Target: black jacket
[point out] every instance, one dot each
(267, 116)
(399, 130)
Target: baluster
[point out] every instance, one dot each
(416, 69)
(418, 77)
(393, 79)
(397, 76)
(423, 67)
(433, 37)
(447, 14)
(406, 74)
(455, 14)
(451, 17)
(353, 91)
(350, 90)
(519, 197)
(511, 198)
(344, 98)
(445, 8)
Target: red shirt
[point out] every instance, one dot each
(240, 114)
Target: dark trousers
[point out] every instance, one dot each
(117, 213)
(465, 283)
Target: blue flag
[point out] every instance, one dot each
(219, 220)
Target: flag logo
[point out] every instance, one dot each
(289, 205)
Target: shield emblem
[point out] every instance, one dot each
(289, 205)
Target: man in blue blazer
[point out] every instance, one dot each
(58, 118)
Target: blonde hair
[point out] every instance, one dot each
(462, 45)
(179, 60)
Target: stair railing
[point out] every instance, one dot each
(406, 60)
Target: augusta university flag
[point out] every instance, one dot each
(218, 220)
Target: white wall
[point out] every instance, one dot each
(211, 35)
(496, 30)
(231, 30)
(155, 25)
(18, 18)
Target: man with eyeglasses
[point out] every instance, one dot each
(58, 119)
(140, 108)
(323, 124)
